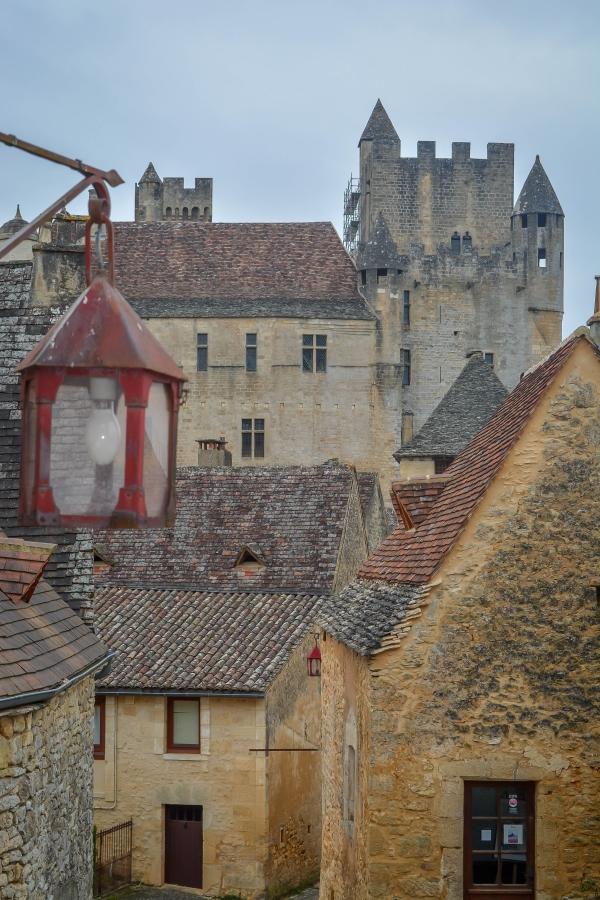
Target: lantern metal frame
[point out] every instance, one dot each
(99, 337)
(313, 661)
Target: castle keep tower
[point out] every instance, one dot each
(451, 265)
(159, 200)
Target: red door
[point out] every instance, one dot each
(183, 845)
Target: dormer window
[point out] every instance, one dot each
(250, 560)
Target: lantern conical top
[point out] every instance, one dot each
(101, 330)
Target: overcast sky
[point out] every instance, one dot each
(269, 98)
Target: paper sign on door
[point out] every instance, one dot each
(513, 835)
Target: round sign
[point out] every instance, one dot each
(512, 801)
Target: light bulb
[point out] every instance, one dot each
(103, 432)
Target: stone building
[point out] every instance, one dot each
(25, 249)
(48, 659)
(211, 623)
(459, 688)
(451, 264)
(158, 200)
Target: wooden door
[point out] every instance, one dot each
(183, 845)
(499, 840)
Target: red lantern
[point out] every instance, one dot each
(314, 662)
(100, 398)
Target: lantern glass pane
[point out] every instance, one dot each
(30, 431)
(87, 450)
(156, 448)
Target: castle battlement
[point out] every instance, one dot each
(158, 200)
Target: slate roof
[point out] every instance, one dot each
(43, 643)
(413, 558)
(150, 176)
(69, 569)
(467, 406)
(379, 127)
(296, 514)
(12, 225)
(226, 269)
(381, 251)
(221, 641)
(366, 612)
(537, 194)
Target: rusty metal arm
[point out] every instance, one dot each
(96, 178)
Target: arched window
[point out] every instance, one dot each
(176, 212)
(168, 212)
(195, 212)
(467, 241)
(206, 212)
(185, 212)
(455, 244)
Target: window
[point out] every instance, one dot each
(251, 352)
(381, 275)
(489, 359)
(183, 725)
(184, 212)
(498, 838)
(314, 352)
(561, 260)
(542, 258)
(350, 783)
(524, 220)
(168, 212)
(405, 366)
(467, 241)
(99, 727)
(202, 352)
(406, 308)
(363, 277)
(195, 212)
(541, 220)
(455, 244)
(253, 438)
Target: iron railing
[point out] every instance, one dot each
(112, 857)
(352, 214)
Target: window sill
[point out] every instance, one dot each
(186, 756)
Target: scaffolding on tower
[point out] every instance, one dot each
(352, 215)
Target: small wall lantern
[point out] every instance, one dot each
(313, 661)
(99, 397)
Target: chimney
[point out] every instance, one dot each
(594, 321)
(213, 452)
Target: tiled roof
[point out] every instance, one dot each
(474, 396)
(414, 558)
(43, 643)
(366, 612)
(298, 267)
(417, 496)
(21, 567)
(177, 640)
(379, 127)
(296, 514)
(69, 570)
(537, 194)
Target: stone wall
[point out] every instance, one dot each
(294, 775)
(353, 543)
(46, 798)
(496, 680)
(138, 778)
(309, 417)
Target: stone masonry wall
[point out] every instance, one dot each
(497, 678)
(353, 545)
(137, 778)
(46, 798)
(294, 775)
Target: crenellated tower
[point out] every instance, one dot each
(451, 265)
(160, 200)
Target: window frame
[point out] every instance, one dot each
(252, 432)
(406, 308)
(171, 747)
(100, 749)
(474, 888)
(314, 347)
(251, 351)
(405, 365)
(204, 347)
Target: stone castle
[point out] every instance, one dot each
(296, 352)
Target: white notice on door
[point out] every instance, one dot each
(486, 834)
(513, 835)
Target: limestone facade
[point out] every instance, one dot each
(46, 798)
(491, 678)
(261, 809)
